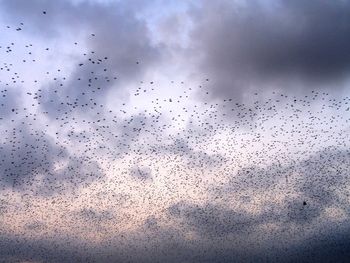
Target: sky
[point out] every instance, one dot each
(174, 131)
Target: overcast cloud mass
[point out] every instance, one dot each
(174, 131)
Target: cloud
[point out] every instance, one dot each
(19, 249)
(31, 160)
(325, 175)
(214, 221)
(241, 46)
(314, 185)
(119, 49)
(331, 245)
(254, 46)
(319, 176)
(155, 242)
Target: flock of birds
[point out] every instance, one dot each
(59, 135)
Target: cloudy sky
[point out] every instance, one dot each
(174, 131)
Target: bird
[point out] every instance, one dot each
(96, 149)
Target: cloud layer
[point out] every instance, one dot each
(127, 138)
(254, 46)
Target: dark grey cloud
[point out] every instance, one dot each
(254, 46)
(30, 158)
(294, 211)
(326, 243)
(317, 174)
(319, 180)
(214, 221)
(319, 184)
(324, 175)
(165, 244)
(330, 245)
(15, 249)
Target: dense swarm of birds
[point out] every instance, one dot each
(286, 157)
